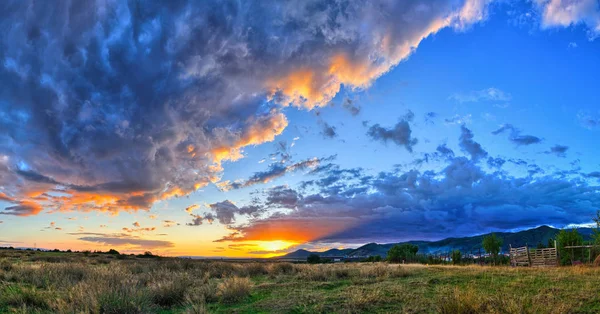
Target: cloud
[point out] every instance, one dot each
(400, 134)
(191, 208)
(595, 174)
(488, 94)
(348, 105)
(196, 221)
(468, 145)
(275, 171)
(226, 211)
(457, 119)
(328, 131)
(516, 137)
(562, 13)
(458, 200)
(123, 106)
(139, 230)
(136, 224)
(282, 196)
(23, 208)
(558, 150)
(587, 120)
(169, 223)
(134, 242)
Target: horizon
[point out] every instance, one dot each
(254, 129)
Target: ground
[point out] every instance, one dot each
(43, 282)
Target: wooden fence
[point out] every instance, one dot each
(524, 256)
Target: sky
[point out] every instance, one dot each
(255, 128)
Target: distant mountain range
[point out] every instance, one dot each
(531, 237)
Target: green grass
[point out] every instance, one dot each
(74, 283)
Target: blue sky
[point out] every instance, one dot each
(224, 136)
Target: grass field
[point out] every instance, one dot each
(39, 282)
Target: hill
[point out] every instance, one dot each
(531, 237)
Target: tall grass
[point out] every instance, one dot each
(82, 284)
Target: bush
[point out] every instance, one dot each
(313, 259)
(255, 269)
(23, 298)
(169, 292)
(234, 289)
(124, 299)
(282, 269)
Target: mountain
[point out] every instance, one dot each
(531, 237)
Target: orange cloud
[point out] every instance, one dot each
(191, 208)
(290, 229)
(260, 130)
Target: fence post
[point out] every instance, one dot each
(528, 255)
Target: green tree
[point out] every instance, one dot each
(596, 234)
(113, 251)
(313, 259)
(402, 253)
(456, 257)
(569, 238)
(492, 244)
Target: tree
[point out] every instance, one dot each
(456, 257)
(569, 238)
(596, 233)
(313, 259)
(114, 252)
(492, 245)
(402, 252)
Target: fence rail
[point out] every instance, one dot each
(524, 256)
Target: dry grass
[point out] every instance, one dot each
(86, 284)
(234, 289)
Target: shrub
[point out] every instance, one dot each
(169, 292)
(255, 269)
(313, 259)
(234, 289)
(282, 268)
(19, 297)
(124, 299)
(5, 265)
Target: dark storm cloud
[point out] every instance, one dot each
(469, 145)
(462, 198)
(459, 200)
(516, 137)
(558, 150)
(400, 134)
(121, 104)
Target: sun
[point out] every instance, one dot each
(275, 245)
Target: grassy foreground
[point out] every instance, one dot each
(33, 282)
